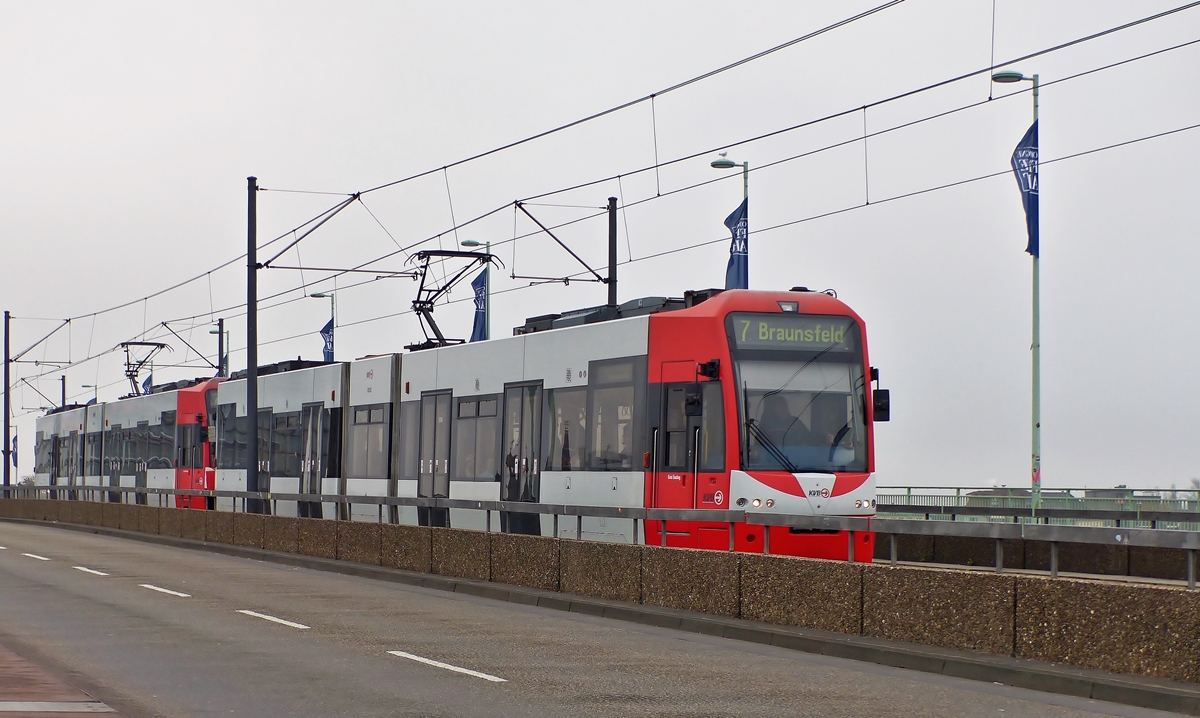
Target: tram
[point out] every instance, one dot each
(749, 400)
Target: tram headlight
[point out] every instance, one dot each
(770, 503)
(741, 502)
(756, 503)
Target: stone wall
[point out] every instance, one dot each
(1120, 627)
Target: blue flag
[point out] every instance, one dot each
(479, 284)
(737, 272)
(90, 401)
(327, 335)
(1025, 167)
(148, 383)
(14, 451)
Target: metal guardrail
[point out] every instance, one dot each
(1053, 534)
(1117, 515)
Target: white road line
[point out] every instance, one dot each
(53, 707)
(3, 548)
(89, 570)
(165, 590)
(273, 619)
(34, 555)
(447, 666)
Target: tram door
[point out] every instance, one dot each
(433, 477)
(675, 478)
(522, 432)
(142, 454)
(265, 438)
(313, 434)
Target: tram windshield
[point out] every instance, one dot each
(802, 392)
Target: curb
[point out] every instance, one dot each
(1138, 691)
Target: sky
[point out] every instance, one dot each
(129, 128)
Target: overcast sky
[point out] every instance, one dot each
(128, 130)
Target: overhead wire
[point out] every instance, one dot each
(402, 249)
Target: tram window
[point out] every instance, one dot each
(476, 441)
(95, 460)
(232, 432)
(712, 433)
(565, 429)
(286, 445)
(368, 441)
(166, 441)
(410, 427)
(614, 412)
(677, 436)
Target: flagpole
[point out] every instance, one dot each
(1036, 457)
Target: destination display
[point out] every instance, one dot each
(804, 332)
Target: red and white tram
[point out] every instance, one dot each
(157, 440)
(733, 399)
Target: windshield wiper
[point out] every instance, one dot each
(770, 446)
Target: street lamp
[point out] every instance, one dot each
(95, 391)
(332, 308)
(222, 347)
(1009, 77)
(724, 163)
(487, 286)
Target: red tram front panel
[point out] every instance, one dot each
(763, 405)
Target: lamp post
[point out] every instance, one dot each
(1008, 77)
(95, 391)
(487, 286)
(332, 305)
(222, 347)
(724, 163)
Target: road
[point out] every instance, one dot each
(160, 631)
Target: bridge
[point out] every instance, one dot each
(313, 617)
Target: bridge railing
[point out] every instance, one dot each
(997, 531)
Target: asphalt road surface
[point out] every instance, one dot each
(160, 631)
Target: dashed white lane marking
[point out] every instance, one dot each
(92, 571)
(3, 548)
(168, 591)
(53, 707)
(448, 667)
(273, 619)
(34, 555)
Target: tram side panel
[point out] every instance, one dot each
(367, 464)
(299, 429)
(139, 445)
(593, 422)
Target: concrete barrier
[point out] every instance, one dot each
(1154, 562)
(611, 571)
(248, 530)
(127, 517)
(170, 521)
(111, 515)
(691, 580)
(194, 525)
(521, 560)
(148, 519)
(788, 591)
(971, 610)
(77, 512)
(317, 537)
(1079, 558)
(461, 553)
(281, 533)
(1123, 628)
(93, 514)
(406, 547)
(218, 527)
(358, 541)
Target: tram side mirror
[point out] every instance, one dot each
(882, 400)
(710, 369)
(693, 405)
